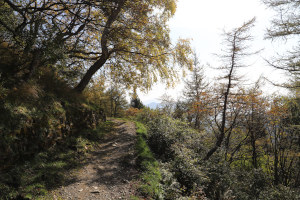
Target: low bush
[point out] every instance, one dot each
(185, 175)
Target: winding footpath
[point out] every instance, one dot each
(110, 172)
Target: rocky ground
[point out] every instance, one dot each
(110, 172)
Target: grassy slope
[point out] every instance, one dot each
(47, 170)
(150, 177)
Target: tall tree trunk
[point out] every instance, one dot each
(226, 95)
(116, 109)
(254, 154)
(236, 49)
(227, 142)
(223, 123)
(105, 52)
(276, 173)
(197, 120)
(90, 72)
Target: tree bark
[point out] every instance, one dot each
(223, 123)
(90, 72)
(254, 154)
(105, 52)
(222, 129)
(276, 174)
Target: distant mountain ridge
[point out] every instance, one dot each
(153, 105)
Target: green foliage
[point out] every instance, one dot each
(167, 139)
(170, 186)
(279, 192)
(185, 175)
(134, 198)
(147, 114)
(40, 40)
(141, 130)
(137, 103)
(111, 100)
(33, 178)
(116, 102)
(43, 133)
(51, 168)
(151, 176)
(98, 133)
(38, 114)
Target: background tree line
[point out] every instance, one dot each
(66, 65)
(246, 144)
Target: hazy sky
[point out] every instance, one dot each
(204, 22)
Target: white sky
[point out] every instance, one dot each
(204, 22)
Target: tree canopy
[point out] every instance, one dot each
(129, 39)
(285, 25)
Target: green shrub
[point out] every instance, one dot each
(169, 139)
(185, 174)
(279, 192)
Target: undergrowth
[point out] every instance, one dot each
(50, 169)
(151, 176)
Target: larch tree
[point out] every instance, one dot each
(286, 25)
(277, 135)
(236, 48)
(251, 124)
(195, 93)
(255, 120)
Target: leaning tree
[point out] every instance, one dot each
(77, 38)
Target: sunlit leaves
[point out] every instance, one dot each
(127, 36)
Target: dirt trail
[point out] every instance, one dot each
(110, 172)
